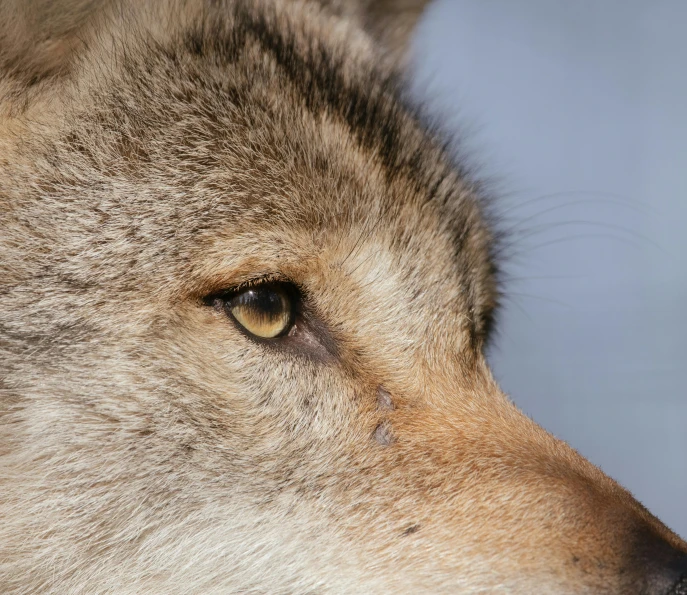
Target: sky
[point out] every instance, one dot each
(573, 114)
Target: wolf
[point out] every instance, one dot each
(245, 292)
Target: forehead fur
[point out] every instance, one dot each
(253, 116)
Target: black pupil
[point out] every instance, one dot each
(266, 301)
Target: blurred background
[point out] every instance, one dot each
(574, 113)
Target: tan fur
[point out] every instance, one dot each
(149, 446)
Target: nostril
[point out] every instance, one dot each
(680, 588)
(670, 575)
(680, 569)
(661, 566)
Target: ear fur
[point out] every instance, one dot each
(39, 37)
(392, 22)
(389, 22)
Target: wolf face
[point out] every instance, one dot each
(244, 296)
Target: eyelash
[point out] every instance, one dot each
(266, 279)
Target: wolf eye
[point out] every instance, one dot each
(265, 311)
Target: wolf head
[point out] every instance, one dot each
(244, 296)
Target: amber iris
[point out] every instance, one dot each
(265, 311)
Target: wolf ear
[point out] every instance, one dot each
(389, 22)
(39, 37)
(392, 23)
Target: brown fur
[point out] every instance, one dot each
(168, 151)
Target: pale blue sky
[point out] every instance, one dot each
(575, 113)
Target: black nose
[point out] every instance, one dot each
(663, 565)
(680, 588)
(674, 574)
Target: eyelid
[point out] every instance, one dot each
(225, 285)
(270, 278)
